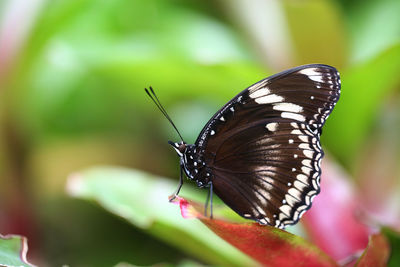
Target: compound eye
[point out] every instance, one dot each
(182, 148)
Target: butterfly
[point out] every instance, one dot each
(261, 152)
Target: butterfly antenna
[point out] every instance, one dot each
(154, 97)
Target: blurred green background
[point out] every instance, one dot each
(72, 75)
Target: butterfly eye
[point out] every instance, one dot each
(182, 148)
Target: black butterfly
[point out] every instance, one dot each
(261, 152)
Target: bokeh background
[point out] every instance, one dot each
(72, 75)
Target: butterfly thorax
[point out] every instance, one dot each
(193, 164)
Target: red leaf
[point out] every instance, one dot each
(377, 252)
(332, 223)
(266, 244)
(269, 245)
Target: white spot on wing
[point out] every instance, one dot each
(293, 116)
(256, 86)
(285, 209)
(306, 170)
(303, 138)
(212, 132)
(298, 132)
(307, 163)
(269, 99)
(259, 93)
(222, 119)
(300, 185)
(289, 107)
(291, 200)
(312, 74)
(268, 185)
(272, 126)
(315, 184)
(295, 193)
(309, 72)
(304, 146)
(291, 141)
(308, 153)
(302, 178)
(262, 198)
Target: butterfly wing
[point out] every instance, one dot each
(263, 149)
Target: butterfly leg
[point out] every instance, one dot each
(209, 198)
(172, 197)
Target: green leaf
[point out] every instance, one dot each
(142, 199)
(317, 32)
(373, 27)
(13, 251)
(78, 51)
(364, 87)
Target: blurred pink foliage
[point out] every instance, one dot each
(333, 222)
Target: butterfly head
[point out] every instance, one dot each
(180, 147)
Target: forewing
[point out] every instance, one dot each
(305, 94)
